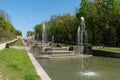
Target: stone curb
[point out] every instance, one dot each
(40, 71)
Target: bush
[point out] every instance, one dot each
(7, 45)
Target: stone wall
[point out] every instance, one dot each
(86, 49)
(105, 54)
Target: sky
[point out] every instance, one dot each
(25, 14)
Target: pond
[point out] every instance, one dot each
(94, 68)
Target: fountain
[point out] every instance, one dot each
(81, 68)
(44, 35)
(76, 68)
(82, 40)
(82, 36)
(37, 36)
(54, 50)
(52, 40)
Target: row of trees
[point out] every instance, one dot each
(30, 34)
(63, 27)
(102, 23)
(7, 30)
(102, 20)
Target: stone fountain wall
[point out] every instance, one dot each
(105, 54)
(86, 50)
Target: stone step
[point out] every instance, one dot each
(61, 55)
(67, 56)
(66, 48)
(59, 52)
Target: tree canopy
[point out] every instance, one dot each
(63, 27)
(7, 30)
(101, 19)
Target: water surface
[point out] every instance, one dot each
(94, 68)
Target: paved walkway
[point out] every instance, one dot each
(3, 45)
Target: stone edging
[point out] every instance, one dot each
(40, 71)
(105, 54)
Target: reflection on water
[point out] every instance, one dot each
(95, 68)
(88, 73)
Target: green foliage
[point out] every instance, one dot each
(38, 31)
(6, 28)
(102, 22)
(63, 27)
(5, 25)
(101, 19)
(16, 65)
(30, 33)
(17, 32)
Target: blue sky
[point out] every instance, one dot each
(25, 14)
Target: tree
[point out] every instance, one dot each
(5, 15)
(63, 27)
(100, 15)
(30, 33)
(7, 30)
(19, 33)
(38, 31)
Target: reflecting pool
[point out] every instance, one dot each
(95, 68)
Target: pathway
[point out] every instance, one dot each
(3, 45)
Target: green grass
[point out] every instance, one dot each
(66, 44)
(63, 44)
(19, 42)
(16, 65)
(117, 50)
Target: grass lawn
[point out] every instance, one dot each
(117, 50)
(16, 65)
(65, 44)
(19, 42)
